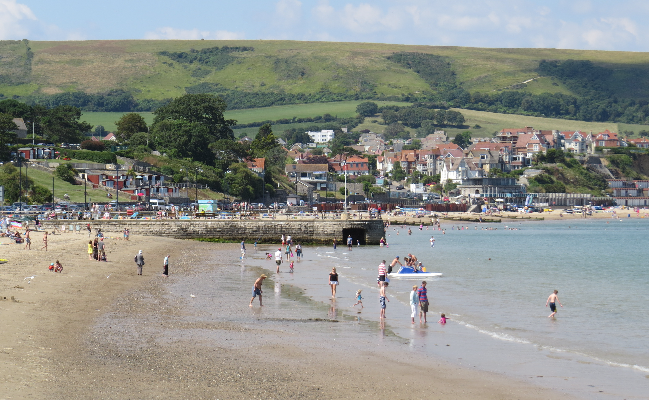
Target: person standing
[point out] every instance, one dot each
(90, 249)
(552, 299)
(101, 247)
(28, 241)
(95, 249)
(166, 266)
(382, 300)
(414, 301)
(382, 273)
(424, 301)
(349, 242)
(432, 241)
(334, 281)
(278, 260)
(257, 290)
(44, 241)
(298, 251)
(139, 260)
(243, 250)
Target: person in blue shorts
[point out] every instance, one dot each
(257, 290)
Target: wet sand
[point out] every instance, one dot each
(100, 331)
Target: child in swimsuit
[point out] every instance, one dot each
(359, 298)
(291, 266)
(443, 319)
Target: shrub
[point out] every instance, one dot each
(66, 172)
(92, 145)
(102, 157)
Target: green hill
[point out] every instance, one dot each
(139, 75)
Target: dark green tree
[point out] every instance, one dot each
(183, 139)
(61, 125)
(243, 183)
(7, 134)
(227, 152)
(100, 131)
(10, 179)
(128, 125)
(463, 139)
(367, 109)
(397, 173)
(205, 110)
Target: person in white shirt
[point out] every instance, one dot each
(278, 260)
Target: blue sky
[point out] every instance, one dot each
(567, 24)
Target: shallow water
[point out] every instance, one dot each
(494, 290)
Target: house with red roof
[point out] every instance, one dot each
(607, 139)
(641, 142)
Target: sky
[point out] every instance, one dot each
(563, 24)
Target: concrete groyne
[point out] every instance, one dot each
(263, 231)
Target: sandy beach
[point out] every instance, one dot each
(96, 331)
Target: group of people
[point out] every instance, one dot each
(97, 249)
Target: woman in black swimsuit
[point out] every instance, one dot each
(334, 280)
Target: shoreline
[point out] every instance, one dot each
(55, 346)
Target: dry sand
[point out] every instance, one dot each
(59, 337)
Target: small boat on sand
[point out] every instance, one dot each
(410, 273)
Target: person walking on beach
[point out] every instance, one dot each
(552, 299)
(287, 251)
(424, 301)
(349, 242)
(257, 290)
(90, 249)
(278, 260)
(432, 241)
(139, 260)
(382, 300)
(28, 241)
(44, 241)
(414, 301)
(334, 281)
(298, 251)
(166, 266)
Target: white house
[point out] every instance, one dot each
(323, 136)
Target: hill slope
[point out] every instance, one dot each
(138, 75)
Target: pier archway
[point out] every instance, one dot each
(356, 233)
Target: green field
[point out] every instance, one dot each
(489, 122)
(342, 109)
(76, 192)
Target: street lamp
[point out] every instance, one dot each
(345, 177)
(117, 183)
(20, 183)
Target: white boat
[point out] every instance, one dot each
(410, 273)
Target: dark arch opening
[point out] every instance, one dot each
(356, 233)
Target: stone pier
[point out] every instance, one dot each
(263, 231)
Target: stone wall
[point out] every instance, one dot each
(263, 231)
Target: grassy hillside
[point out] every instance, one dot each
(293, 67)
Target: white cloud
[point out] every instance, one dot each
(600, 34)
(15, 20)
(323, 11)
(287, 12)
(367, 18)
(167, 33)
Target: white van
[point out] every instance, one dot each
(157, 204)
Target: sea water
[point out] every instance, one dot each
(496, 280)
